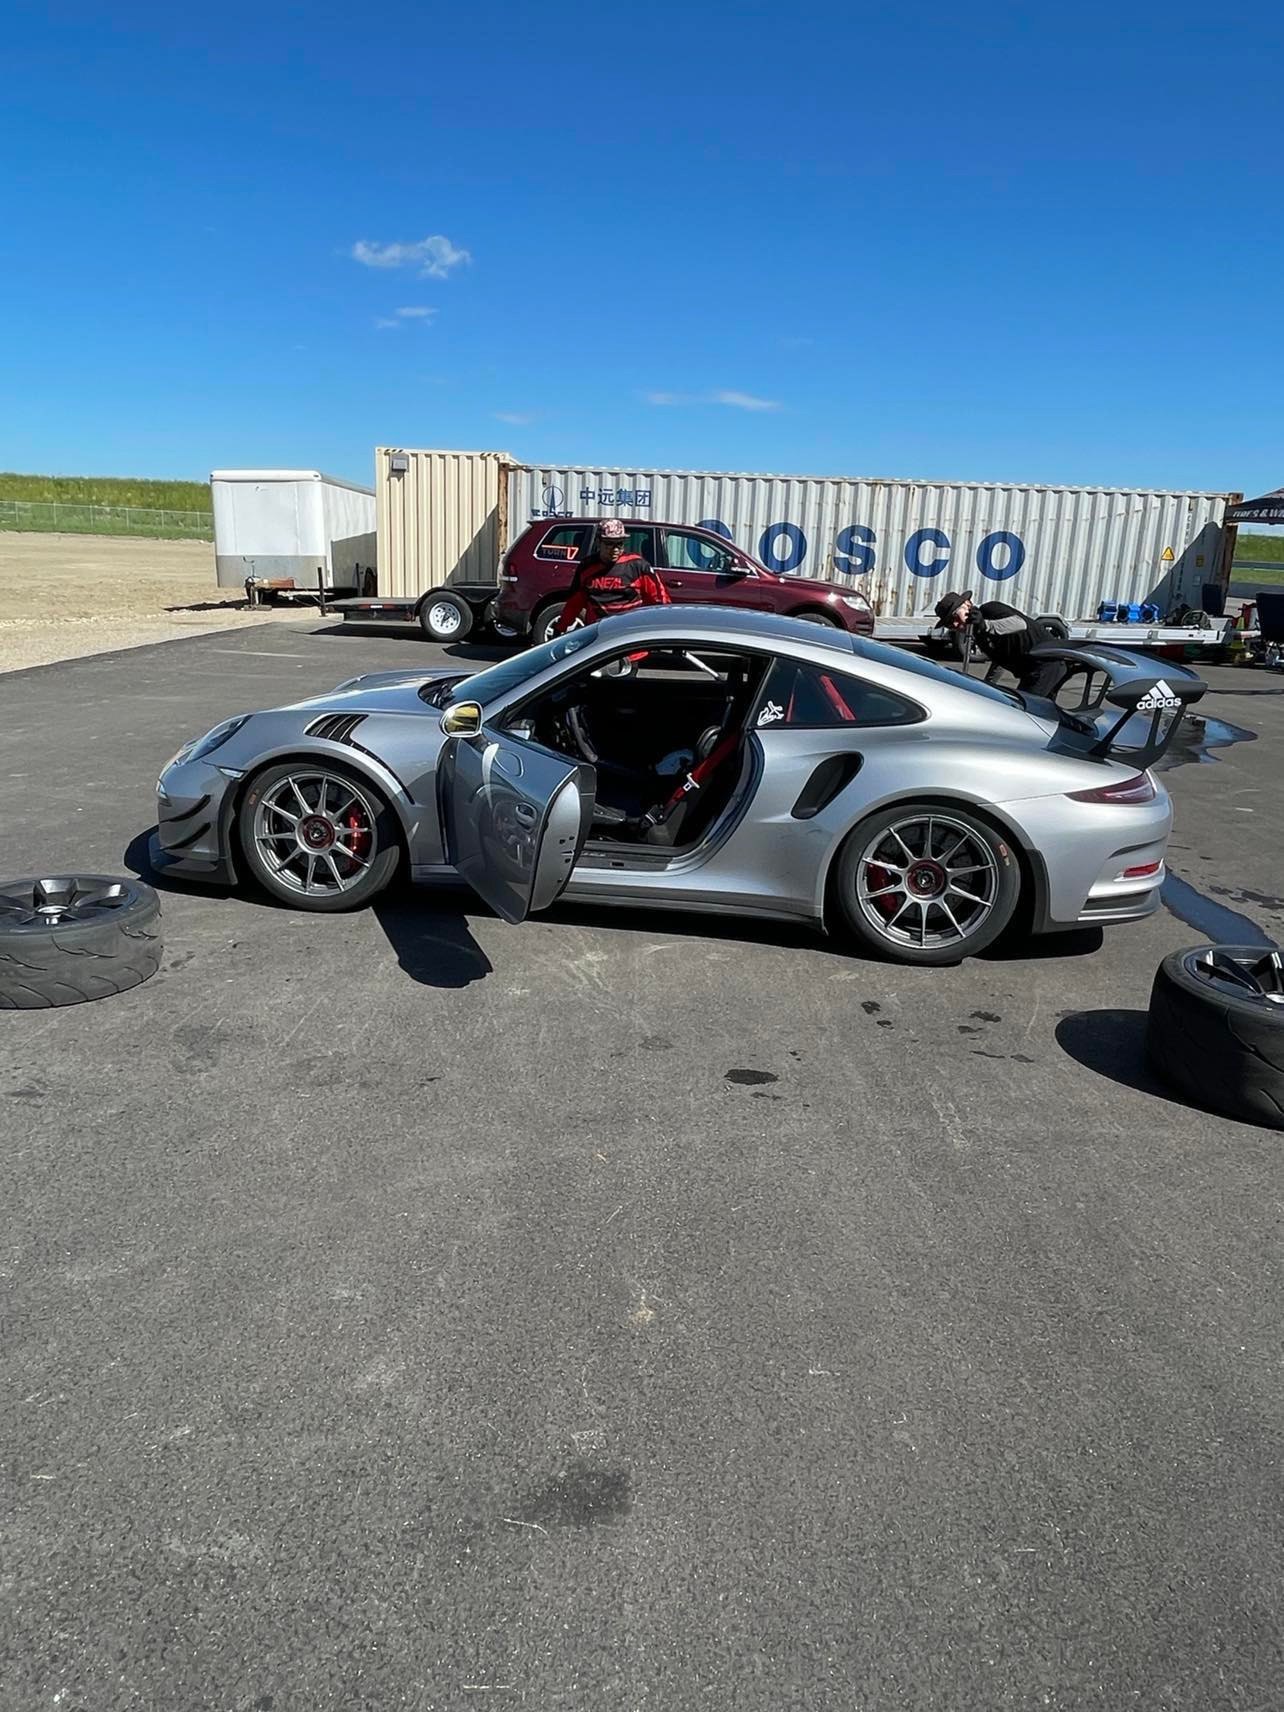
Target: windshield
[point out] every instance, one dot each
(511, 674)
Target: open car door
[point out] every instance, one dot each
(516, 817)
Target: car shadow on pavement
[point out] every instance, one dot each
(1021, 946)
(484, 653)
(434, 946)
(1113, 1044)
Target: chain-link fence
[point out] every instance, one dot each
(56, 517)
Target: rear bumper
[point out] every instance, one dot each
(509, 611)
(1084, 852)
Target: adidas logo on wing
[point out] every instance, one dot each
(1160, 695)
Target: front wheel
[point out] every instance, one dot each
(815, 617)
(921, 883)
(318, 837)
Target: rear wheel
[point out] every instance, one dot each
(545, 619)
(317, 837)
(921, 883)
(445, 617)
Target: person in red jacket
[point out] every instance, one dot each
(610, 581)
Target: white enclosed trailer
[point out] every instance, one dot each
(293, 532)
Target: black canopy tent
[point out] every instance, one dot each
(1267, 508)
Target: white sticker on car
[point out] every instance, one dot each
(1160, 695)
(771, 713)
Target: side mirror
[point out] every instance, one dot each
(463, 719)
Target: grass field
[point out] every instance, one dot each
(107, 490)
(106, 505)
(1259, 549)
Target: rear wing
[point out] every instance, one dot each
(1151, 703)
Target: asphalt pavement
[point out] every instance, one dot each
(407, 1310)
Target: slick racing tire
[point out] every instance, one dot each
(1216, 1029)
(926, 883)
(66, 940)
(444, 617)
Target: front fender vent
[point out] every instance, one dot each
(335, 727)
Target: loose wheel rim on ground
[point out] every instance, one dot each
(68, 898)
(1255, 976)
(907, 882)
(315, 832)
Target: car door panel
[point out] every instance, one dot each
(689, 577)
(516, 816)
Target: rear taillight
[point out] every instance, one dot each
(1139, 789)
(1144, 871)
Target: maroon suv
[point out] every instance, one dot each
(696, 565)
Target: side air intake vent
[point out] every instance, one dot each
(335, 727)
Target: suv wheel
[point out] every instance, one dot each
(545, 619)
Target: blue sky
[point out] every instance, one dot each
(1001, 241)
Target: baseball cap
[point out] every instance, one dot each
(611, 530)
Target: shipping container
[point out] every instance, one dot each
(291, 526)
(1044, 549)
(442, 517)
(450, 517)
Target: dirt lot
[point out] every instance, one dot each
(69, 595)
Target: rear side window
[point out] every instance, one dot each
(564, 545)
(797, 694)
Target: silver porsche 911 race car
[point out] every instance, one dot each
(702, 759)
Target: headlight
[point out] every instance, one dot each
(200, 747)
(859, 601)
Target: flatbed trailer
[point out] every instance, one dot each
(1215, 634)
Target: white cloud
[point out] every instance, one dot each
(744, 401)
(383, 321)
(733, 400)
(515, 418)
(416, 312)
(434, 257)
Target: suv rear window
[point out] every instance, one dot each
(565, 544)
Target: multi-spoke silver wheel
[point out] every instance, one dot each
(927, 882)
(315, 832)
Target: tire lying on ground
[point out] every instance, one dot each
(1216, 1029)
(73, 938)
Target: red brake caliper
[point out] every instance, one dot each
(891, 901)
(360, 842)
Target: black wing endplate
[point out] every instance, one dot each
(1152, 699)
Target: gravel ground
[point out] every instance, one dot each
(70, 595)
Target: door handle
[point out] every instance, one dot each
(525, 814)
